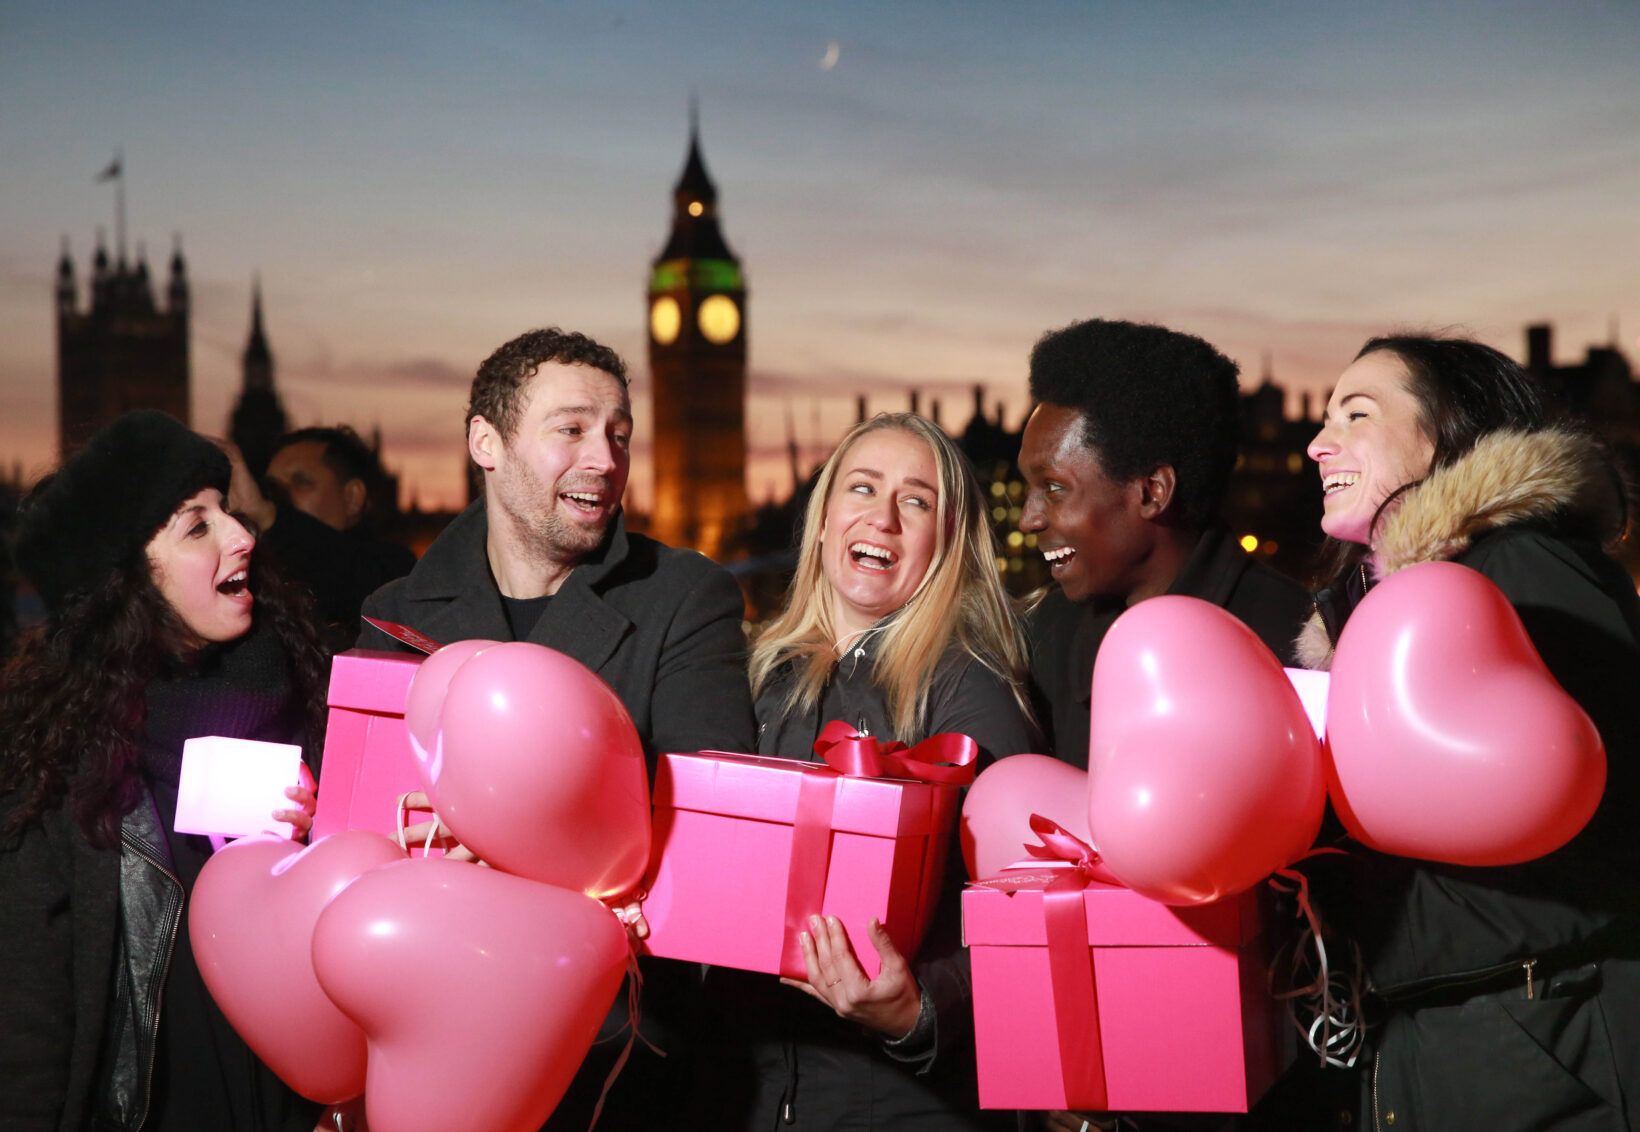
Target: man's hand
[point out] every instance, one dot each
(887, 1004)
(434, 832)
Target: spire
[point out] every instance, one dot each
(65, 281)
(177, 297)
(695, 233)
(258, 358)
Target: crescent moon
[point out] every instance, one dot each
(833, 50)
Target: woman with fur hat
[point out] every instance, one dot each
(1504, 997)
(162, 625)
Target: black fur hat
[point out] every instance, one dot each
(99, 510)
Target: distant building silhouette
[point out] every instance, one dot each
(1274, 501)
(121, 351)
(258, 419)
(1601, 388)
(697, 363)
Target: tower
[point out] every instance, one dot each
(121, 351)
(697, 362)
(258, 418)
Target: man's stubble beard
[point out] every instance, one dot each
(547, 535)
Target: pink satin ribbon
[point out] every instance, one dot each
(946, 759)
(1070, 963)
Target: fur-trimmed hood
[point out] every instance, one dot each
(1511, 478)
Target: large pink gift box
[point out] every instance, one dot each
(368, 762)
(724, 885)
(1184, 1021)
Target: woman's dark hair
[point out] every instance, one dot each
(1465, 390)
(72, 703)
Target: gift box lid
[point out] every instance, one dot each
(766, 789)
(368, 680)
(1006, 911)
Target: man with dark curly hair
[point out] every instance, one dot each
(545, 557)
(1126, 458)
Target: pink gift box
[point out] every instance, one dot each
(722, 862)
(368, 762)
(1185, 1020)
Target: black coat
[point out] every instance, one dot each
(340, 568)
(662, 627)
(103, 1017)
(778, 1058)
(1447, 948)
(1065, 636)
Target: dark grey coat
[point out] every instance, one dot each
(662, 627)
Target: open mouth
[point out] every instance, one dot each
(1058, 557)
(588, 503)
(235, 585)
(870, 557)
(1338, 481)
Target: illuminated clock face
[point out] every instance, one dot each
(719, 319)
(665, 320)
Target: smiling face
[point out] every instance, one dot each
(881, 527)
(1372, 444)
(557, 482)
(1092, 530)
(201, 566)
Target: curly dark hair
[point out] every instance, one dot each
(495, 392)
(1148, 396)
(72, 703)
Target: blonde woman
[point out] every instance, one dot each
(896, 623)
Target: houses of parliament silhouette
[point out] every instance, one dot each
(124, 349)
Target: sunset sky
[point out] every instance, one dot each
(416, 183)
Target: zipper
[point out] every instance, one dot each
(173, 912)
(1377, 1059)
(1410, 991)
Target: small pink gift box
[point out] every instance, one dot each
(1180, 1020)
(746, 848)
(368, 762)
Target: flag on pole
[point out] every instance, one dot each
(111, 173)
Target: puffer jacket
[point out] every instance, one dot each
(1510, 996)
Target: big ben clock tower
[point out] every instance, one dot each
(697, 360)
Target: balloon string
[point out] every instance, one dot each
(1333, 998)
(634, 989)
(402, 818)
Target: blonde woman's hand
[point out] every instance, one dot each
(887, 1004)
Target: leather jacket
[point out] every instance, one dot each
(151, 900)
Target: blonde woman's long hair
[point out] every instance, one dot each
(960, 600)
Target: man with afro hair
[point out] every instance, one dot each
(1126, 458)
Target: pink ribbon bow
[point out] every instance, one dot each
(946, 760)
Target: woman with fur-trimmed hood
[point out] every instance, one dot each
(1504, 997)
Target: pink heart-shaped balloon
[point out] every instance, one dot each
(250, 920)
(1204, 772)
(479, 993)
(1447, 738)
(538, 769)
(996, 812)
(428, 687)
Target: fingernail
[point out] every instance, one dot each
(814, 921)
